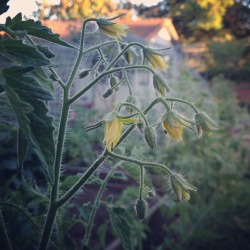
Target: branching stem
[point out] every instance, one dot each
(4, 235)
(141, 181)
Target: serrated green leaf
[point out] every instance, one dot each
(22, 148)
(122, 228)
(41, 31)
(28, 97)
(95, 180)
(35, 29)
(69, 182)
(27, 55)
(43, 79)
(1, 83)
(5, 111)
(17, 18)
(46, 51)
(30, 190)
(16, 22)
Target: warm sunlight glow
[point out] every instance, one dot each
(145, 2)
(30, 6)
(26, 8)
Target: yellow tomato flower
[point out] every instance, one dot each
(173, 131)
(157, 61)
(114, 31)
(185, 195)
(113, 131)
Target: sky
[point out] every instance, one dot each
(28, 6)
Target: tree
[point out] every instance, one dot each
(78, 9)
(198, 16)
(237, 19)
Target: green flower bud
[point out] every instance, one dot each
(154, 58)
(114, 83)
(107, 93)
(83, 74)
(181, 187)
(104, 22)
(160, 85)
(205, 123)
(149, 135)
(141, 209)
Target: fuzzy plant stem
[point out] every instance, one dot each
(141, 163)
(141, 181)
(90, 223)
(99, 77)
(50, 218)
(52, 211)
(4, 235)
(182, 101)
(137, 109)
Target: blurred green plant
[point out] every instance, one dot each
(229, 58)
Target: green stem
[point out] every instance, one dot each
(51, 214)
(97, 64)
(141, 163)
(141, 181)
(134, 107)
(98, 78)
(70, 193)
(107, 70)
(79, 56)
(122, 52)
(183, 101)
(127, 81)
(48, 226)
(59, 149)
(4, 235)
(102, 56)
(97, 46)
(89, 227)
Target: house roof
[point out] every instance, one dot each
(144, 28)
(149, 27)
